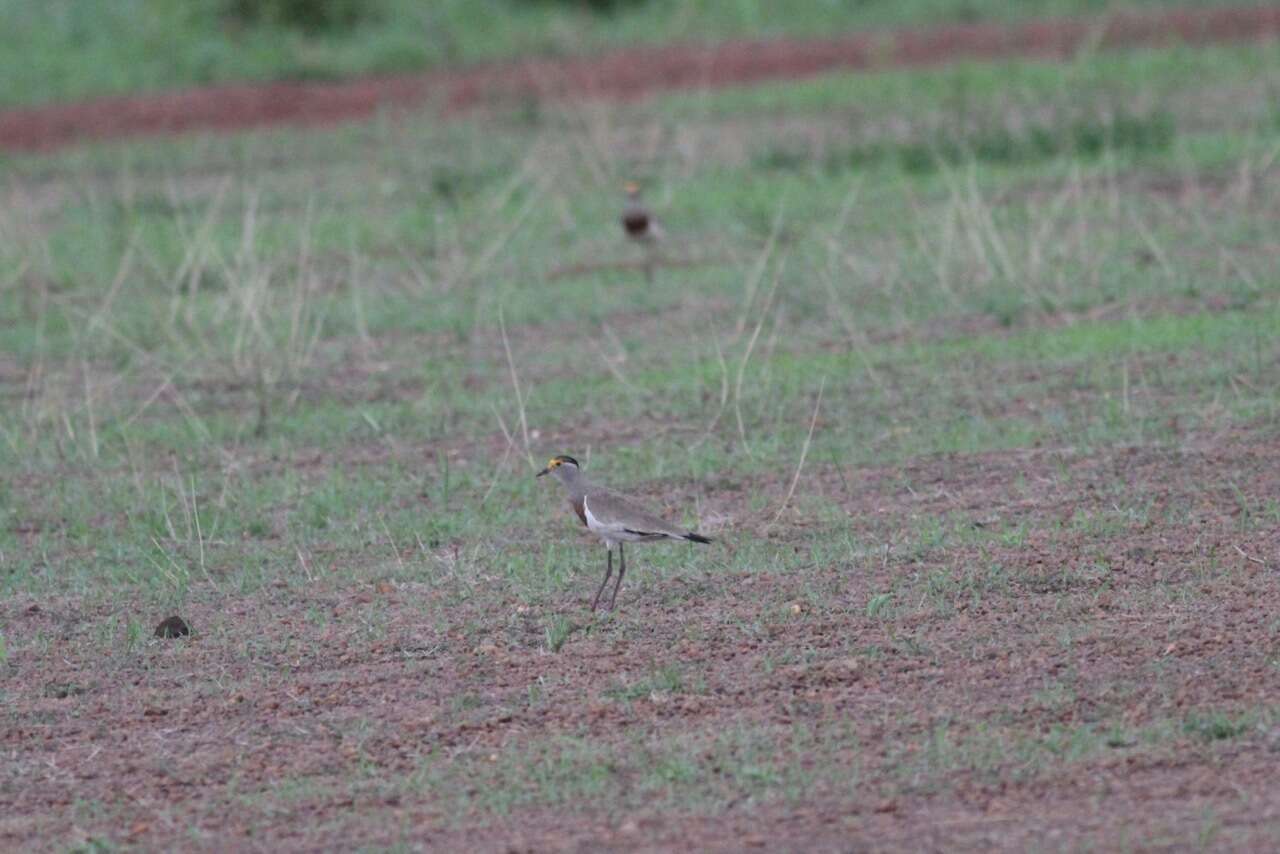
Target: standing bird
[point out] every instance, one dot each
(640, 226)
(614, 519)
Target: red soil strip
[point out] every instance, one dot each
(620, 75)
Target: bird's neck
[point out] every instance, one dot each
(576, 488)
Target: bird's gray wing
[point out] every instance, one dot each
(612, 510)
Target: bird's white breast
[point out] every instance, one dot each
(593, 524)
(609, 532)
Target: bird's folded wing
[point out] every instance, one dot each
(614, 511)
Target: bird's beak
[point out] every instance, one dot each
(541, 473)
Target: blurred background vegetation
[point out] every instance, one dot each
(70, 49)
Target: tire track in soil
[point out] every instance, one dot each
(620, 75)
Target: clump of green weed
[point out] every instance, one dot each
(668, 679)
(1216, 726)
(314, 16)
(880, 606)
(559, 630)
(1087, 136)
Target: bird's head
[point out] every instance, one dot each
(564, 467)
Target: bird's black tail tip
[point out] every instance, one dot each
(697, 538)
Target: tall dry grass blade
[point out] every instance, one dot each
(986, 221)
(1045, 234)
(495, 246)
(195, 513)
(613, 363)
(757, 272)
(493, 484)
(391, 540)
(1153, 246)
(515, 384)
(724, 396)
(123, 269)
(746, 357)
(88, 402)
(357, 297)
(199, 244)
(804, 453)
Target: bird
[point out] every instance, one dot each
(640, 225)
(613, 518)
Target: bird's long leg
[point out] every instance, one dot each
(622, 570)
(608, 571)
(650, 261)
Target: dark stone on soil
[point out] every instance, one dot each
(172, 627)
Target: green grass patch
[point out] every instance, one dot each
(66, 49)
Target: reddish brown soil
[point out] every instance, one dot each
(623, 74)
(286, 723)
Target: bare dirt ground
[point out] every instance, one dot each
(246, 734)
(622, 74)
